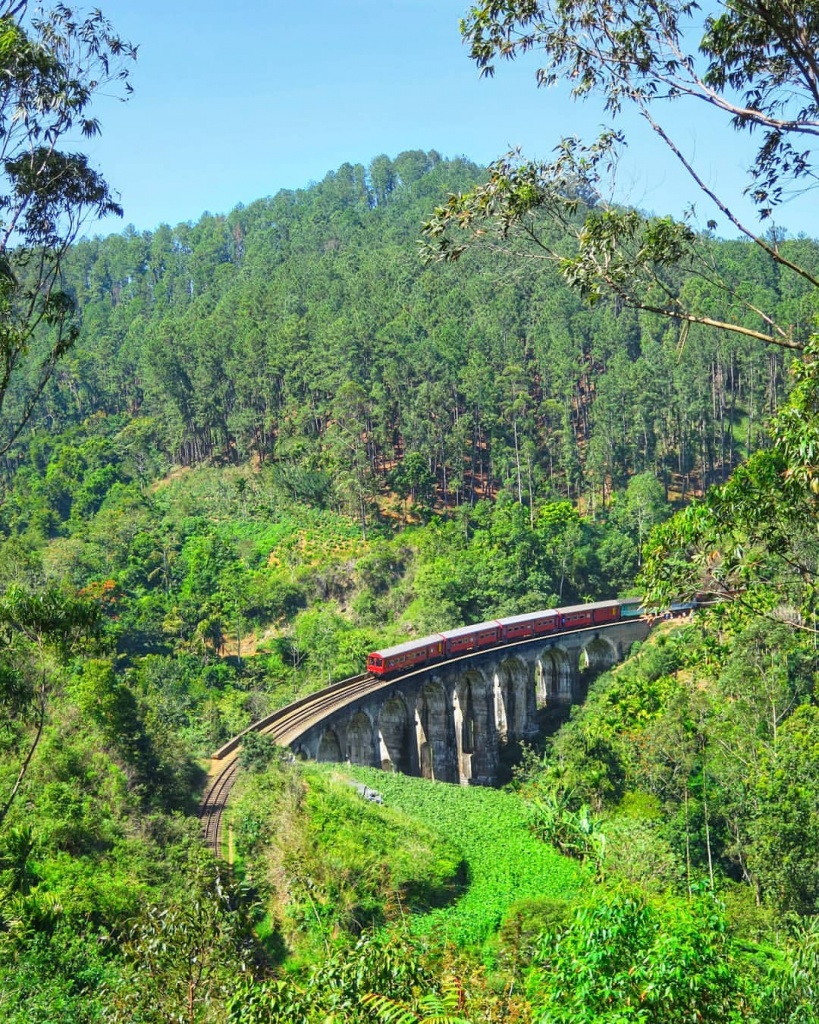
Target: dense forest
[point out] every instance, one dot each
(303, 331)
(280, 441)
(239, 454)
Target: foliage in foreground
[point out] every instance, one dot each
(333, 864)
(619, 958)
(623, 960)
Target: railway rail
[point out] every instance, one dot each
(289, 723)
(283, 726)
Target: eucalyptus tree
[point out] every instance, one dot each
(53, 63)
(38, 633)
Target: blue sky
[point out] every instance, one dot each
(234, 102)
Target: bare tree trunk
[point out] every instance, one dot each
(705, 815)
(41, 714)
(687, 843)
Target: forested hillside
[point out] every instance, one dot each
(303, 331)
(280, 441)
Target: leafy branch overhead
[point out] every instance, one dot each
(753, 63)
(52, 64)
(533, 211)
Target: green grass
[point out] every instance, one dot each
(506, 863)
(338, 864)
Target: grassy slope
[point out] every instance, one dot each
(506, 863)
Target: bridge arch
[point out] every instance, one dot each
(598, 655)
(514, 701)
(394, 737)
(553, 675)
(329, 748)
(360, 740)
(474, 720)
(432, 733)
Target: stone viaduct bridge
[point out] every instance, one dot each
(451, 721)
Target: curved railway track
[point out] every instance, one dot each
(284, 726)
(288, 723)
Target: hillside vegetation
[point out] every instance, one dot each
(303, 331)
(281, 442)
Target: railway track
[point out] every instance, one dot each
(288, 723)
(284, 726)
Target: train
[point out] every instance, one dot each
(453, 642)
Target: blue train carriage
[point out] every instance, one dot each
(406, 656)
(632, 608)
(679, 609)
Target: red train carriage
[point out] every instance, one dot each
(606, 611)
(406, 656)
(471, 638)
(579, 615)
(453, 642)
(519, 627)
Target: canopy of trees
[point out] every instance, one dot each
(302, 332)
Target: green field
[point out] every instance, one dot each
(506, 863)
